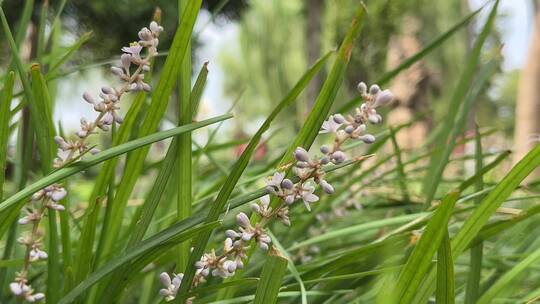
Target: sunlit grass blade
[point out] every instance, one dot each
(238, 169)
(272, 274)
(101, 157)
(5, 104)
(445, 273)
(475, 265)
(85, 251)
(156, 242)
(184, 163)
(154, 113)
(418, 264)
(508, 278)
(457, 112)
(52, 72)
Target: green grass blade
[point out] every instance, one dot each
(503, 282)
(184, 163)
(5, 104)
(85, 251)
(272, 274)
(419, 262)
(52, 72)
(457, 111)
(445, 273)
(433, 45)
(198, 88)
(291, 266)
(54, 283)
(154, 114)
(176, 233)
(41, 113)
(475, 265)
(238, 169)
(101, 157)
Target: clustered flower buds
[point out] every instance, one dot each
(131, 74)
(308, 171)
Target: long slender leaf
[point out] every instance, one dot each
(101, 157)
(236, 173)
(445, 273)
(272, 274)
(420, 260)
(5, 104)
(457, 111)
(154, 113)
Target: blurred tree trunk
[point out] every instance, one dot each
(314, 19)
(528, 99)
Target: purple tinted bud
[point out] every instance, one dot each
(349, 129)
(368, 138)
(325, 149)
(326, 187)
(117, 71)
(338, 157)
(300, 154)
(383, 98)
(243, 220)
(287, 184)
(374, 89)
(89, 98)
(338, 118)
(107, 90)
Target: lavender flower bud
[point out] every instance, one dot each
(126, 61)
(165, 279)
(58, 194)
(256, 208)
(243, 220)
(326, 187)
(302, 165)
(368, 138)
(232, 234)
(375, 118)
(325, 160)
(338, 157)
(338, 118)
(117, 71)
(300, 154)
(146, 87)
(107, 90)
(89, 98)
(325, 149)
(263, 246)
(383, 98)
(287, 184)
(94, 151)
(349, 129)
(374, 89)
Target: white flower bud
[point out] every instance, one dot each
(263, 246)
(59, 194)
(117, 71)
(243, 220)
(362, 88)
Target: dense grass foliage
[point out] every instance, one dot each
(135, 221)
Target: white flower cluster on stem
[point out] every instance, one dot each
(308, 171)
(131, 73)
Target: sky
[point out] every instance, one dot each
(514, 23)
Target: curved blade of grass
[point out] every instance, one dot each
(475, 265)
(176, 232)
(272, 274)
(457, 111)
(236, 173)
(51, 73)
(445, 273)
(85, 251)
(504, 281)
(5, 104)
(292, 268)
(184, 162)
(476, 221)
(101, 157)
(154, 113)
(416, 57)
(419, 262)
(335, 234)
